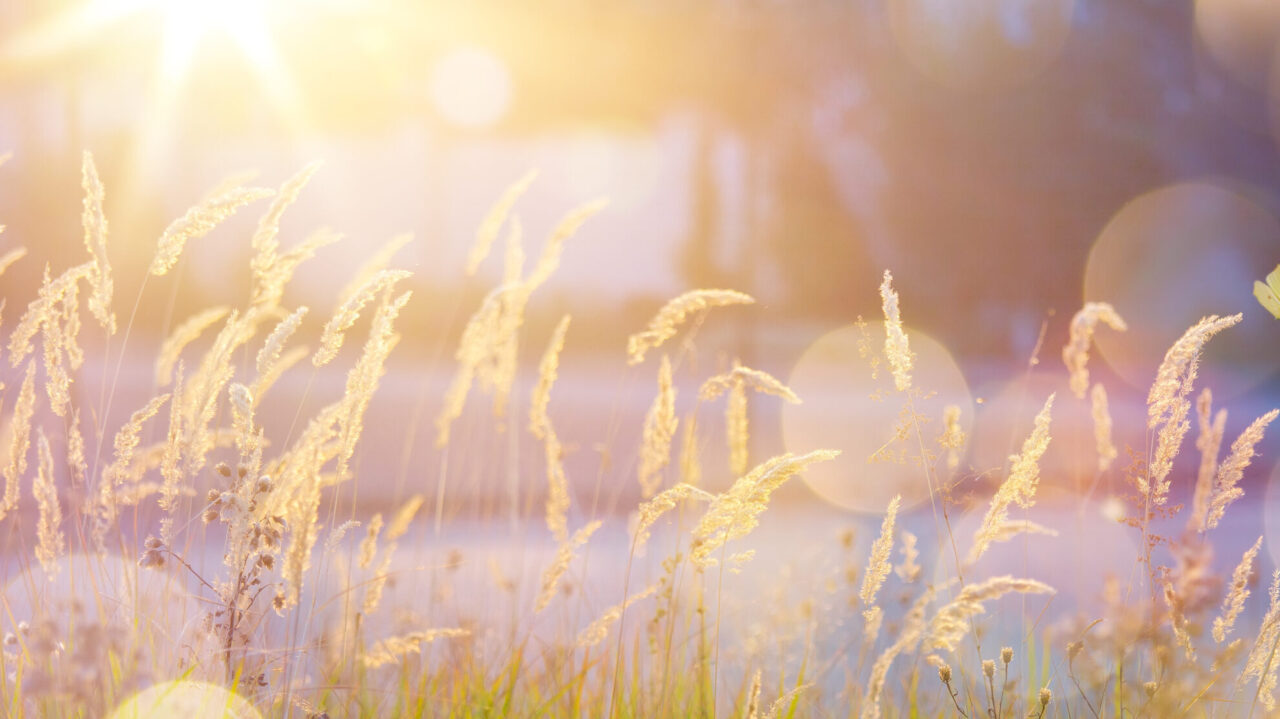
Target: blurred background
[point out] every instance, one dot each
(1006, 159)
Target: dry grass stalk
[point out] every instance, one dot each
(171, 459)
(330, 436)
(492, 223)
(736, 512)
(487, 352)
(204, 387)
(737, 431)
(376, 586)
(1102, 427)
(19, 442)
(263, 383)
(780, 704)
(897, 350)
(1178, 362)
(248, 438)
(337, 534)
(547, 369)
(1167, 405)
(77, 465)
(1226, 488)
(364, 376)
(119, 472)
(95, 239)
(1178, 619)
(58, 330)
(951, 623)
(198, 222)
(909, 636)
(183, 335)
(348, 312)
(50, 543)
(598, 630)
(568, 226)
(403, 517)
(753, 697)
(557, 506)
(1233, 602)
(659, 430)
(757, 380)
(650, 511)
(564, 557)
(880, 563)
(666, 323)
(369, 545)
(1263, 662)
(952, 438)
(1075, 355)
(690, 454)
(264, 243)
(909, 571)
(55, 315)
(389, 650)
(273, 348)
(1008, 530)
(376, 263)
(126, 441)
(497, 371)
(10, 257)
(1209, 442)
(735, 382)
(1019, 488)
(268, 289)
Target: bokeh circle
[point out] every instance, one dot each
(187, 700)
(846, 408)
(1173, 256)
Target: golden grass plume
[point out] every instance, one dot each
(1018, 488)
(667, 321)
(1075, 354)
(897, 349)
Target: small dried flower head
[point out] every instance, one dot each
(1006, 655)
(988, 668)
(1073, 649)
(224, 469)
(1045, 696)
(264, 484)
(1150, 689)
(151, 558)
(944, 673)
(10, 639)
(153, 543)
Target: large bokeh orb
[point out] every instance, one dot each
(1174, 255)
(185, 700)
(846, 408)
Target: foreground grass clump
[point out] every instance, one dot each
(187, 560)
